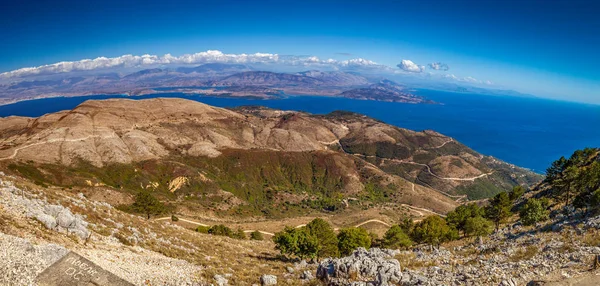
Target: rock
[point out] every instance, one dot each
(220, 280)
(290, 269)
(509, 282)
(301, 265)
(375, 266)
(266, 280)
(65, 219)
(307, 275)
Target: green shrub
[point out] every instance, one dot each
(516, 193)
(256, 235)
(203, 229)
(239, 234)
(534, 211)
(396, 238)
(296, 241)
(478, 226)
(349, 239)
(433, 230)
(174, 218)
(220, 229)
(459, 216)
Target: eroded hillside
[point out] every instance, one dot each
(247, 160)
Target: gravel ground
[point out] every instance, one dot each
(21, 261)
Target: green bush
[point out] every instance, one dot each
(459, 216)
(239, 234)
(203, 229)
(534, 211)
(296, 241)
(349, 239)
(396, 238)
(433, 230)
(174, 218)
(478, 226)
(256, 235)
(516, 193)
(220, 229)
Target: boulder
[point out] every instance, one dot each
(266, 280)
(374, 267)
(220, 280)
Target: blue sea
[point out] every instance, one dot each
(528, 132)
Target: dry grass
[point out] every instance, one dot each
(591, 238)
(409, 260)
(524, 254)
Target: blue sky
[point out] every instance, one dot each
(548, 48)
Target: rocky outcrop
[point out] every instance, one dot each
(373, 267)
(55, 217)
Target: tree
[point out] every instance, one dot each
(516, 193)
(396, 238)
(565, 183)
(308, 245)
(432, 230)
(459, 216)
(534, 211)
(286, 241)
(407, 225)
(352, 238)
(478, 226)
(147, 204)
(326, 238)
(296, 241)
(555, 170)
(499, 208)
(256, 235)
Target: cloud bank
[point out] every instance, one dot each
(439, 66)
(210, 56)
(409, 66)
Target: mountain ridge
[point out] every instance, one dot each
(299, 157)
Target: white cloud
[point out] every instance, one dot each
(439, 66)
(409, 66)
(469, 79)
(211, 56)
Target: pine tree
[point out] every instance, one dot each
(499, 209)
(326, 238)
(147, 204)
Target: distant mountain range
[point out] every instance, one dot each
(225, 80)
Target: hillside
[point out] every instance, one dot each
(248, 160)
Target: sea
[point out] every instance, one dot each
(527, 132)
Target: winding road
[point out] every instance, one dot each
(272, 234)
